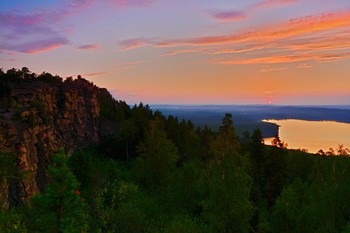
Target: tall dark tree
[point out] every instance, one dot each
(275, 173)
(257, 153)
(60, 209)
(228, 208)
(157, 158)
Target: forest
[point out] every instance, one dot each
(158, 173)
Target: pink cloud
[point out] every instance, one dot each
(20, 32)
(274, 3)
(13, 19)
(89, 47)
(36, 46)
(316, 38)
(295, 27)
(42, 48)
(135, 43)
(233, 15)
(229, 16)
(21, 29)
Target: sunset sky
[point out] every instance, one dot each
(187, 51)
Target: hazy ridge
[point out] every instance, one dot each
(248, 117)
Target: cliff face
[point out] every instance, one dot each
(37, 119)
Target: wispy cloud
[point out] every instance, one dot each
(269, 68)
(274, 3)
(219, 50)
(188, 51)
(279, 59)
(89, 47)
(93, 74)
(132, 3)
(322, 37)
(336, 41)
(39, 46)
(292, 28)
(20, 32)
(135, 43)
(237, 15)
(239, 49)
(228, 16)
(75, 6)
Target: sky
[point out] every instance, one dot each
(285, 52)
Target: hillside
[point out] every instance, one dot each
(40, 114)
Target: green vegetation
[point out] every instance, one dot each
(159, 174)
(221, 184)
(60, 208)
(24, 75)
(7, 174)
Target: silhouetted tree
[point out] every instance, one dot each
(276, 141)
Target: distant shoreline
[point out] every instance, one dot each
(249, 117)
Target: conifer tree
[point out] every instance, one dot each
(60, 209)
(158, 156)
(228, 208)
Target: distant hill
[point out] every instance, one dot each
(248, 117)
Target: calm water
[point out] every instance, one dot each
(312, 135)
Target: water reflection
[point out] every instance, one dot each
(312, 135)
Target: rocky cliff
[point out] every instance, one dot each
(36, 119)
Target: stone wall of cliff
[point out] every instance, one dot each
(36, 120)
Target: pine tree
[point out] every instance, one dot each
(60, 209)
(156, 163)
(227, 208)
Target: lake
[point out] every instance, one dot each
(312, 135)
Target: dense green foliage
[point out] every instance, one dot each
(60, 208)
(159, 174)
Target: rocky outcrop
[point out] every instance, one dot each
(37, 119)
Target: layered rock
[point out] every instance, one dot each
(38, 119)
